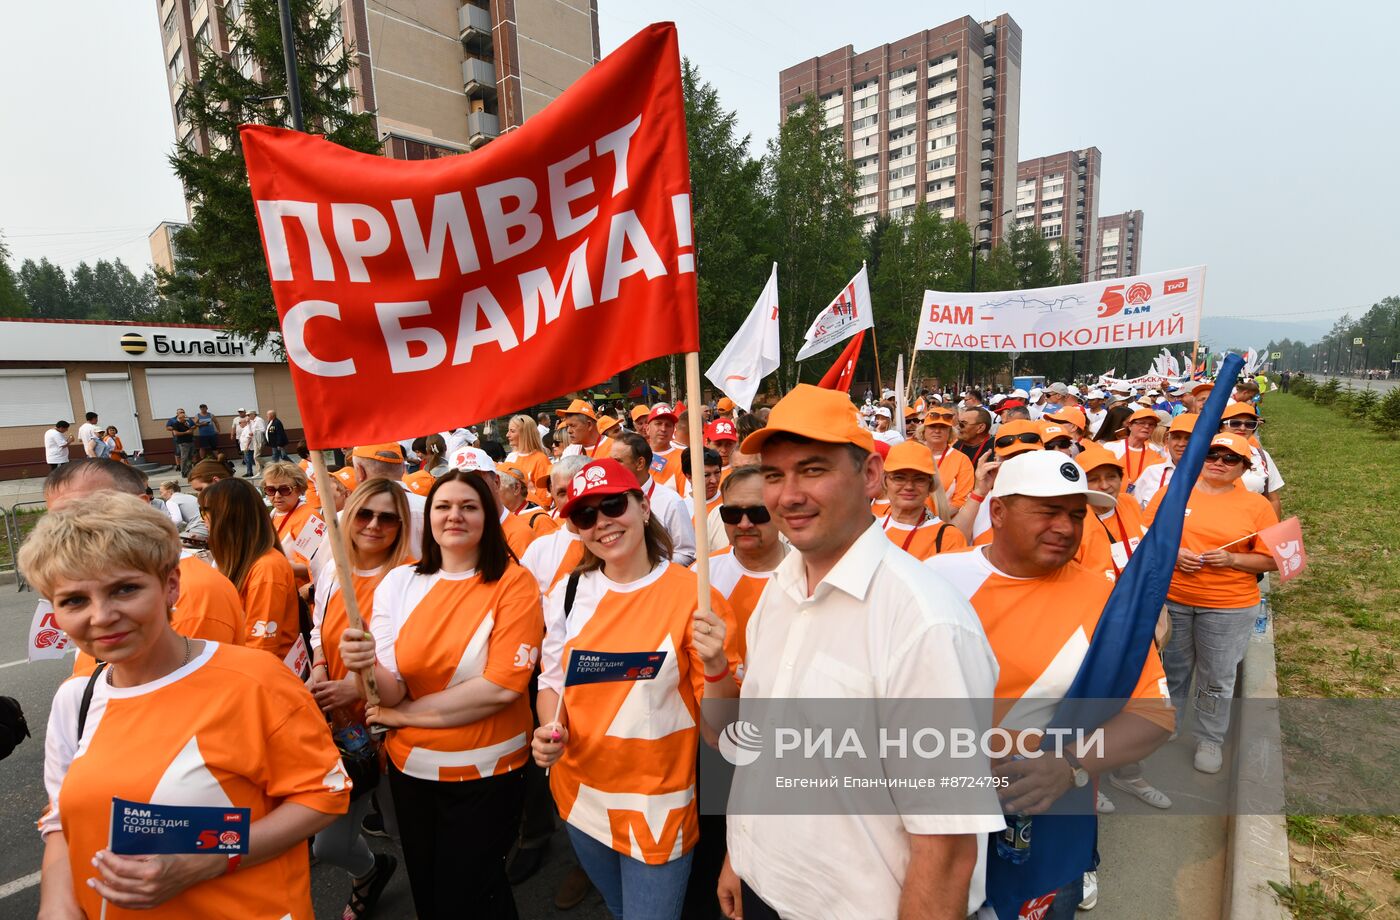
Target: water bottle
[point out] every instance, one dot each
(351, 736)
(1014, 843)
(1261, 619)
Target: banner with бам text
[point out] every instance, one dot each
(421, 296)
(1117, 313)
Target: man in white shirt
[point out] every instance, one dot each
(633, 452)
(1095, 411)
(849, 615)
(56, 442)
(88, 433)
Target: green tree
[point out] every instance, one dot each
(1386, 416)
(46, 290)
(812, 224)
(12, 302)
(219, 265)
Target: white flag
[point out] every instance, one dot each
(848, 314)
(899, 397)
(753, 352)
(46, 639)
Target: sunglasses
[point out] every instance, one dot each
(1059, 444)
(585, 517)
(943, 414)
(1248, 424)
(1006, 440)
(277, 490)
(1226, 457)
(364, 517)
(733, 514)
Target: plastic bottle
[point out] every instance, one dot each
(350, 735)
(1261, 619)
(1014, 843)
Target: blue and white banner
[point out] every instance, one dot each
(141, 829)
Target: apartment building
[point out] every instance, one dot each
(1059, 196)
(932, 117)
(440, 76)
(1119, 246)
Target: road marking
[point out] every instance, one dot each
(11, 664)
(18, 885)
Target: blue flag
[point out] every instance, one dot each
(1063, 845)
(587, 667)
(139, 829)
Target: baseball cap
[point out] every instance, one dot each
(347, 477)
(662, 410)
(1175, 390)
(909, 455)
(1036, 393)
(386, 453)
(1049, 431)
(639, 413)
(996, 400)
(724, 404)
(1142, 414)
(1096, 393)
(1072, 415)
(721, 429)
(472, 459)
(1236, 409)
(600, 477)
(910, 412)
(812, 412)
(1017, 428)
(1020, 393)
(515, 472)
(940, 416)
(1073, 390)
(605, 422)
(242, 411)
(578, 407)
(1186, 422)
(1233, 443)
(883, 412)
(1205, 386)
(1093, 456)
(1046, 474)
(1059, 389)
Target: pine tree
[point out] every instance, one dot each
(219, 266)
(1385, 418)
(12, 302)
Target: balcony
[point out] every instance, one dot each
(947, 66)
(478, 77)
(474, 23)
(481, 127)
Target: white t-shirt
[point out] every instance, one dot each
(183, 508)
(88, 434)
(55, 446)
(674, 514)
(1264, 477)
(890, 437)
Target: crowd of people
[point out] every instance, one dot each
(964, 551)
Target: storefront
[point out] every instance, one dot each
(134, 376)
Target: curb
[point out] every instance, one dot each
(1256, 851)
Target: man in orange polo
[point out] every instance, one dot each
(660, 431)
(584, 437)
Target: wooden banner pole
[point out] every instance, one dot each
(695, 432)
(325, 487)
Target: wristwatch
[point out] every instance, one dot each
(1081, 776)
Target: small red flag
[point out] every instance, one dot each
(842, 372)
(1284, 541)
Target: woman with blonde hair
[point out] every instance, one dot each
(285, 485)
(167, 720)
(244, 546)
(376, 540)
(527, 451)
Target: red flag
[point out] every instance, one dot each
(418, 296)
(839, 377)
(1284, 541)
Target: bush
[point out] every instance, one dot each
(1363, 403)
(1343, 401)
(1326, 394)
(1386, 416)
(1303, 386)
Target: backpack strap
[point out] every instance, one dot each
(570, 592)
(86, 704)
(938, 538)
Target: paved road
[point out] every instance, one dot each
(1356, 383)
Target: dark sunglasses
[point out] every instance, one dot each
(1029, 437)
(733, 514)
(942, 415)
(585, 517)
(1248, 424)
(1058, 444)
(277, 490)
(1228, 458)
(365, 516)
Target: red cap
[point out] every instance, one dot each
(721, 429)
(662, 410)
(601, 477)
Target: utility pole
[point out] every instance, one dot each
(289, 60)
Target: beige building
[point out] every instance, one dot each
(1119, 246)
(162, 242)
(1059, 196)
(933, 117)
(441, 76)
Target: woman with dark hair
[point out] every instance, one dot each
(244, 546)
(453, 643)
(637, 739)
(1114, 426)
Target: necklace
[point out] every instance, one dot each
(111, 668)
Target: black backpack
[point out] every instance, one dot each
(13, 728)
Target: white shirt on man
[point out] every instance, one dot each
(674, 514)
(55, 447)
(88, 433)
(880, 625)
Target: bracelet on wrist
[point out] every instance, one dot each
(720, 676)
(974, 497)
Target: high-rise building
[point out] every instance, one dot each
(440, 76)
(933, 117)
(1119, 245)
(1059, 196)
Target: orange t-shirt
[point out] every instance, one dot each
(1135, 459)
(536, 466)
(627, 776)
(552, 557)
(330, 619)
(539, 520)
(1039, 630)
(233, 728)
(269, 595)
(741, 587)
(1212, 521)
(956, 473)
(1109, 542)
(928, 538)
(288, 527)
(666, 468)
(208, 608)
(519, 533)
(436, 631)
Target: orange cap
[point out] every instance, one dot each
(346, 475)
(1016, 429)
(1049, 431)
(510, 469)
(1142, 414)
(1236, 409)
(1205, 386)
(909, 455)
(812, 412)
(578, 407)
(724, 404)
(1093, 456)
(386, 453)
(639, 413)
(1185, 422)
(1073, 415)
(1233, 443)
(605, 422)
(940, 416)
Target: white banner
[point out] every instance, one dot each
(754, 351)
(1119, 313)
(848, 314)
(46, 639)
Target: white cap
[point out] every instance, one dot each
(887, 394)
(468, 459)
(1046, 474)
(1096, 393)
(1059, 389)
(1074, 390)
(1036, 393)
(997, 399)
(1020, 393)
(884, 412)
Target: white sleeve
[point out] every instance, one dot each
(1275, 478)
(388, 616)
(533, 561)
(555, 634)
(326, 584)
(60, 747)
(682, 532)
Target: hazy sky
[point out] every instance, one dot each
(1262, 143)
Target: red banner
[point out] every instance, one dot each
(1284, 541)
(421, 296)
(844, 369)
